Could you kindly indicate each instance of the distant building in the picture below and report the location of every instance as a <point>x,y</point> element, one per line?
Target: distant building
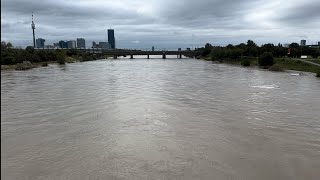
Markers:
<point>303,42</point>
<point>152,48</point>
<point>111,38</point>
<point>313,46</point>
<point>71,44</point>
<point>95,45</point>
<point>81,43</point>
<point>104,45</point>
<point>286,45</point>
<point>188,49</point>
<point>63,44</point>
<point>40,42</point>
<point>319,43</point>
<point>49,47</point>
<point>56,45</point>
<point>179,49</point>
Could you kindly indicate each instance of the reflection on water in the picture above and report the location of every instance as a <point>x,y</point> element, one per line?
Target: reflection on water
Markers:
<point>158,119</point>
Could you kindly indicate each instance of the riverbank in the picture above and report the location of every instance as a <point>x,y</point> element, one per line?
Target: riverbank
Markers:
<point>282,64</point>
<point>28,65</point>
<point>68,59</point>
<point>32,65</point>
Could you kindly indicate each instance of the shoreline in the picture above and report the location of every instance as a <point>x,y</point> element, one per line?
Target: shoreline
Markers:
<point>35,65</point>
<point>285,64</point>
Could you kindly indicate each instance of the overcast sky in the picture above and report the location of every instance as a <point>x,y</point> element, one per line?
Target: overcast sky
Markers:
<point>162,23</point>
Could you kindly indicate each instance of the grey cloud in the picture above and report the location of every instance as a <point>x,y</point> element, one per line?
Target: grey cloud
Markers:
<point>307,13</point>
<point>165,22</point>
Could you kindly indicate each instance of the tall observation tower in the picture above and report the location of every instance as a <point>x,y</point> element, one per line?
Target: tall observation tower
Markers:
<point>33,26</point>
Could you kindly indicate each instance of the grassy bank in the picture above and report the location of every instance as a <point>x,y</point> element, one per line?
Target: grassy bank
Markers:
<point>290,64</point>
<point>314,60</point>
<point>279,63</point>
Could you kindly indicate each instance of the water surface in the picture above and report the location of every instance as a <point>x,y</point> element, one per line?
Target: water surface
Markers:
<point>159,119</point>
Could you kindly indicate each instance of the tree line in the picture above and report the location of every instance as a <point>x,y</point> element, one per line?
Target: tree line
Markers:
<point>251,49</point>
<point>10,56</point>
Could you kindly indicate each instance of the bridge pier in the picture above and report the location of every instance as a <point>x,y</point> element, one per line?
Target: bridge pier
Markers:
<point>180,56</point>
<point>131,56</point>
<point>148,56</point>
<point>164,56</point>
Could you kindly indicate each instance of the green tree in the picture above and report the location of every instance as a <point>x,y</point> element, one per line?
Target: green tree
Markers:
<point>60,57</point>
<point>250,43</point>
<point>294,45</point>
<point>230,46</point>
<point>208,46</point>
<point>266,59</point>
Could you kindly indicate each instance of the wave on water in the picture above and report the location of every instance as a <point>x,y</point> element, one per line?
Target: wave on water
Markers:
<point>272,86</point>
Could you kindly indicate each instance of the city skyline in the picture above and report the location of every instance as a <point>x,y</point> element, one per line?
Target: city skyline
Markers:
<point>163,24</point>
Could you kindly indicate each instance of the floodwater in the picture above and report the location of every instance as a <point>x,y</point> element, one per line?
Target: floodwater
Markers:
<point>159,119</point>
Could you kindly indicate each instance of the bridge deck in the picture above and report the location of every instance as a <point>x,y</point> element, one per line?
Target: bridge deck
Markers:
<point>121,53</point>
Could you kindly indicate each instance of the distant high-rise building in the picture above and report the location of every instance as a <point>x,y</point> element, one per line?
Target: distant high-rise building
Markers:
<point>40,42</point>
<point>63,44</point>
<point>81,43</point>
<point>152,48</point>
<point>104,45</point>
<point>303,42</point>
<point>319,43</point>
<point>71,44</point>
<point>111,38</point>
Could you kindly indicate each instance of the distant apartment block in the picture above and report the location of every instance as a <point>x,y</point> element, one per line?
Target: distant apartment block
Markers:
<point>303,42</point>
<point>56,45</point>
<point>95,45</point>
<point>71,44</point>
<point>63,44</point>
<point>49,47</point>
<point>81,43</point>
<point>104,45</point>
<point>40,43</point>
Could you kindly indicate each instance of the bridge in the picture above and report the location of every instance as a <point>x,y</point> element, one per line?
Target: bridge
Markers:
<point>116,53</point>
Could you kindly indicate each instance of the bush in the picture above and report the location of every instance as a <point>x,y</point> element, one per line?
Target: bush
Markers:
<point>24,65</point>
<point>45,64</point>
<point>61,57</point>
<point>266,59</point>
<point>276,67</point>
<point>245,62</point>
<point>206,52</point>
<point>70,60</point>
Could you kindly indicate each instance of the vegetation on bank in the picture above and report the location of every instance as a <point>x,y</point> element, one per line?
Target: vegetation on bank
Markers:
<point>28,58</point>
<point>267,56</point>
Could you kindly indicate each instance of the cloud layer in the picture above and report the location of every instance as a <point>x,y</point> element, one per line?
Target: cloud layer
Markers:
<point>163,24</point>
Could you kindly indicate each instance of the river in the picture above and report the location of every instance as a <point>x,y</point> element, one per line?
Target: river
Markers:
<point>159,119</point>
